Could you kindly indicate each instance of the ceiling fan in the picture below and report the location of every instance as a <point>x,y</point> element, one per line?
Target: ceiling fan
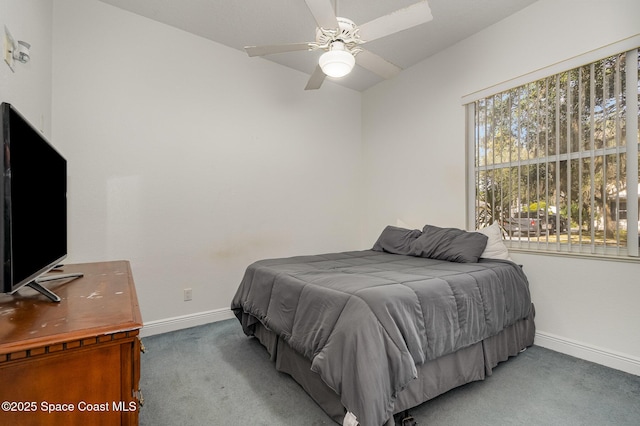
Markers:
<point>341,39</point>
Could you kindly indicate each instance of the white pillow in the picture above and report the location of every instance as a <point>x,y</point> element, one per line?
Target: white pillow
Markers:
<point>495,249</point>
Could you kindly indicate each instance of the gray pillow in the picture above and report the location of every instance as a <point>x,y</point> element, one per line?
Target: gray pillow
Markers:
<point>396,240</point>
<point>452,244</point>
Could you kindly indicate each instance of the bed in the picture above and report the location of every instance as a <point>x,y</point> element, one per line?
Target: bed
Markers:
<point>371,333</point>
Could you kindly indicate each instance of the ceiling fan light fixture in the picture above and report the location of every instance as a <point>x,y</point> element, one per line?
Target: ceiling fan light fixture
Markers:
<point>337,62</point>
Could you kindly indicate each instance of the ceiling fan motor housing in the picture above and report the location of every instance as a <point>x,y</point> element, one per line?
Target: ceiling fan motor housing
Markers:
<point>346,33</point>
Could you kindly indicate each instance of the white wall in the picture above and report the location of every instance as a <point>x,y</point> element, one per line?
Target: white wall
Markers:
<point>413,128</point>
<point>29,87</point>
<point>192,160</point>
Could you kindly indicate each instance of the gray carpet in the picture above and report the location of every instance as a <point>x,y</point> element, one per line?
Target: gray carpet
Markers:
<point>215,375</point>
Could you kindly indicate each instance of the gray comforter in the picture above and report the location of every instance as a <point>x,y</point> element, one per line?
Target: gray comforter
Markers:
<point>366,318</point>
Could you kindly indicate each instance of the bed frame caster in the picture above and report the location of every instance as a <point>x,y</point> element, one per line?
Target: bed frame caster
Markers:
<point>405,419</point>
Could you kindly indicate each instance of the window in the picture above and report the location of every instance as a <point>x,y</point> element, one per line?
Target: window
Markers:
<point>555,161</point>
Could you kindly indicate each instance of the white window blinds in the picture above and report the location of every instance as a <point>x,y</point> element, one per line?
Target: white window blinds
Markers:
<point>555,161</point>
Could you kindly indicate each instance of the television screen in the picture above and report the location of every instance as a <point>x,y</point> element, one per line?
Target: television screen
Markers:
<point>34,198</point>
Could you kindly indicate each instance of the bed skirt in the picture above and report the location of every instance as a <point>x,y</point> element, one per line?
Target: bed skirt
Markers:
<point>435,377</point>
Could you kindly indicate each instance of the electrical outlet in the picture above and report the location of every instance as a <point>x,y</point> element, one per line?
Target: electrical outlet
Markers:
<point>188,293</point>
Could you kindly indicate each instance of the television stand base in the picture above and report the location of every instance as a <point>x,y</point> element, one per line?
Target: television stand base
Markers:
<point>35,284</point>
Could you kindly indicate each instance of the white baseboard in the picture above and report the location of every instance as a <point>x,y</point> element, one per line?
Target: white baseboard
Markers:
<point>623,362</point>
<point>185,321</point>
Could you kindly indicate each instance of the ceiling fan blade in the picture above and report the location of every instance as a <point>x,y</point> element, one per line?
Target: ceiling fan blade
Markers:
<point>402,19</point>
<point>376,64</point>
<point>316,79</point>
<point>275,48</point>
<point>323,13</point>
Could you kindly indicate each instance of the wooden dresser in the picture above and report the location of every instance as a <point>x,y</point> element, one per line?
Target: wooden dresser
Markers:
<point>76,362</point>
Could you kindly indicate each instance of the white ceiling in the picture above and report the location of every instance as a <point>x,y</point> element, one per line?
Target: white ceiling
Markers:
<point>239,23</point>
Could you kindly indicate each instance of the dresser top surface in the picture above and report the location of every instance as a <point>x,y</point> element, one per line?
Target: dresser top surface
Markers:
<point>102,301</point>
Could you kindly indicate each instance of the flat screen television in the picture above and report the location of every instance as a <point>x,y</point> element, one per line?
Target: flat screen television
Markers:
<point>33,227</point>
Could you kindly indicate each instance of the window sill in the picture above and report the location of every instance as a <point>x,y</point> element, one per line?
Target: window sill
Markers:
<point>604,257</point>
